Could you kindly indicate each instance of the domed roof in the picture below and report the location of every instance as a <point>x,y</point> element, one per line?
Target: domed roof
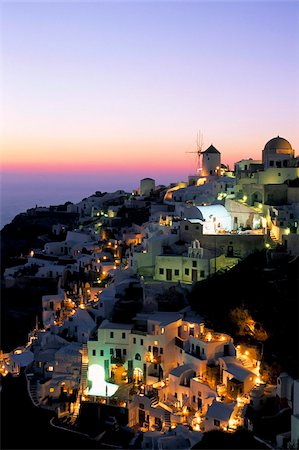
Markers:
<point>277,143</point>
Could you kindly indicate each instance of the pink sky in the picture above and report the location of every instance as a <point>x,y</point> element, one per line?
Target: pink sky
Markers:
<point>114,87</point>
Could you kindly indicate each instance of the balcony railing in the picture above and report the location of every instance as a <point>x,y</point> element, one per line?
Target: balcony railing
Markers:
<point>179,342</point>
<point>117,359</point>
<point>141,333</point>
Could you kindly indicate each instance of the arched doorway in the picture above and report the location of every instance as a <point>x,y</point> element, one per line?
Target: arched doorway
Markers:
<point>137,375</point>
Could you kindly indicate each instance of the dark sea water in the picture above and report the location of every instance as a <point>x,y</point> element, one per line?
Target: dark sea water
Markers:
<point>20,191</point>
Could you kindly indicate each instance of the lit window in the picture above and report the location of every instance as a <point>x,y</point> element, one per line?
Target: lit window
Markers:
<point>52,389</point>
<point>162,330</point>
<point>50,369</point>
<point>155,342</point>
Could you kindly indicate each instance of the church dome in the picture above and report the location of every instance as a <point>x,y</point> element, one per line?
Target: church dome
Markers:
<point>277,143</point>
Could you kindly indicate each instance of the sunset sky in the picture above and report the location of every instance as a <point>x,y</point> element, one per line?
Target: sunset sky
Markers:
<point>125,86</point>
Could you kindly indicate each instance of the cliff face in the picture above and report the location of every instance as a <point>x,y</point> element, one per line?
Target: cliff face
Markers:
<point>28,231</point>
<point>21,304</point>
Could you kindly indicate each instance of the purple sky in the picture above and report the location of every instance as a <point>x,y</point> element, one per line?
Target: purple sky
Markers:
<point>125,86</point>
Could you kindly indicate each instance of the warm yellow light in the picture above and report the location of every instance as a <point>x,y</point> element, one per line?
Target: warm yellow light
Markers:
<point>31,253</point>
<point>209,337</point>
<point>155,342</point>
<point>52,389</point>
<point>267,245</point>
<point>223,338</point>
<point>287,231</point>
<point>244,198</point>
<point>18,351</point>
<point>50,369</point>
<point>260,205</point>
<point>185,410</point>
<point>104,273</point>
<point>98,261</point>
<point>162,330</point>
<point>247,353</point>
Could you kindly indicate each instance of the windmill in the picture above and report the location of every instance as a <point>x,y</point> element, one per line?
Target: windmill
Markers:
<point>199,146</point>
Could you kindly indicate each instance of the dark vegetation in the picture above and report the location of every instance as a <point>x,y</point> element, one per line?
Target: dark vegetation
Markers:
<point>133,215</point>
<point>262,288</point>
<point>172,299</point>
<point>274,417</point>
<point>129,304</point>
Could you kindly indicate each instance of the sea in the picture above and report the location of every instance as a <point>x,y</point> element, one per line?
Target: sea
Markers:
<point>21,191</point>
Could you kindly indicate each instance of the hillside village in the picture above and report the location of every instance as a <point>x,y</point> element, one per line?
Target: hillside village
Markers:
<point>132,340</point>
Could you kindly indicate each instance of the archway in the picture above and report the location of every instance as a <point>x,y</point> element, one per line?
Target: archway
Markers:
<point>137,375</point>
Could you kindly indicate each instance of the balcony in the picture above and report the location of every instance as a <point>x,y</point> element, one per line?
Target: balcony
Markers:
<point>140,332</point>
<point>153,359</point>
<point>181,343</point>
<point>117,359</point>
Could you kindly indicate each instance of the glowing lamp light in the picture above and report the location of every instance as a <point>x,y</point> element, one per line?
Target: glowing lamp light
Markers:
<point>100,387</point>
<point>209,337</point>
<point>244,198</point>
<point>267,245</point>
<point>18,352</point>
<point>247,353</point>
<point>287,231</point>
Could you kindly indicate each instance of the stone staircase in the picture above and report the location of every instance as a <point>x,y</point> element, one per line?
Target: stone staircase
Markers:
<point>167,421</point>
<point>83,382</point>
<point>154,401</point>
<point>84,368</point>
<point>33,391</point>
<point>273,237</point>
